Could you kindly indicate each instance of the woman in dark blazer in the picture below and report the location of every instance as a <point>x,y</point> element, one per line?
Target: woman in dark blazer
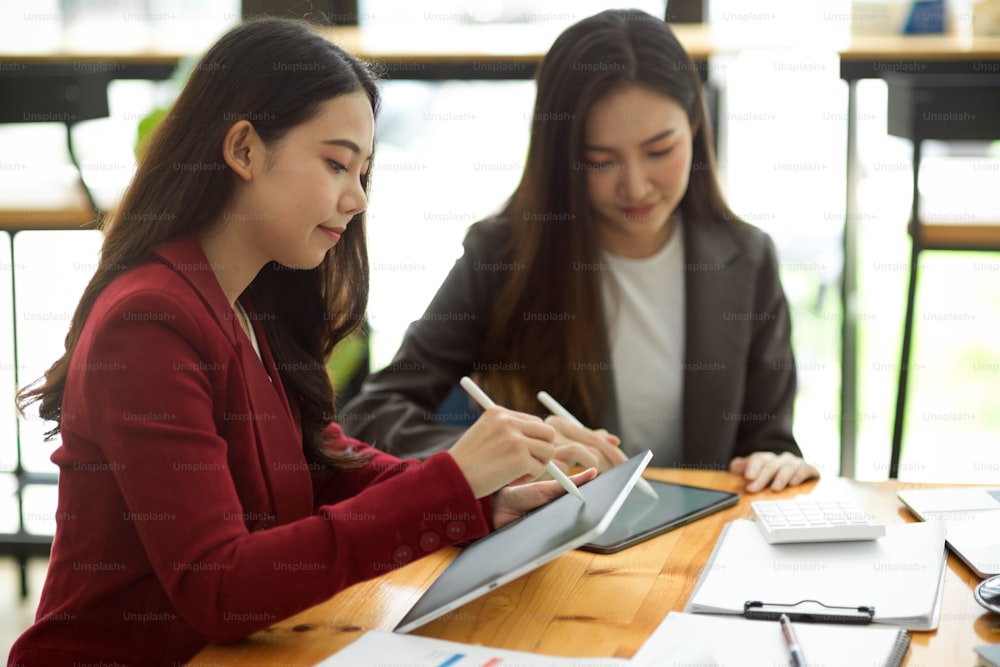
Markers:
<point>204,492</point>
<point>616,278</point>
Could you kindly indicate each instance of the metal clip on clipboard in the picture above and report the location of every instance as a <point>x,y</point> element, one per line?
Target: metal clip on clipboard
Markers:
<point>809,611</point>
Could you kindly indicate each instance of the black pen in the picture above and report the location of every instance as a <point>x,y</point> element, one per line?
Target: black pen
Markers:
<point>794,648</point>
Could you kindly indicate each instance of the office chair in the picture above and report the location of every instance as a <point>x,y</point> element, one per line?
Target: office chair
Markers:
<point>949,108</point>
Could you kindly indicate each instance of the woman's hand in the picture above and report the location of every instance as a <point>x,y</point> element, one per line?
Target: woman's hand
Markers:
<point>513,502</point>
<point>503,447</point>
<point>778,470</point>
<point>578,446</point>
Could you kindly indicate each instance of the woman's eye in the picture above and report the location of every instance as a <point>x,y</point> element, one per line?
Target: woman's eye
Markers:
<point>600,166</point>
<point>662,153</point>
<point>336,166</point>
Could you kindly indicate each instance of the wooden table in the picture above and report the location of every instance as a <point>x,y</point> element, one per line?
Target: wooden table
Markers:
<point>585,604</point>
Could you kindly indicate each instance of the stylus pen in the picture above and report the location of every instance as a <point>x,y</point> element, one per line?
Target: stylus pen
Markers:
<point>794,648</point>
<point>545,398</point>
<point>554,472</point>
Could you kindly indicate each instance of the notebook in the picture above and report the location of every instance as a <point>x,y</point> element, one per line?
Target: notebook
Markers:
<point>531,541</point>
<point>760,643</point>
<point>972,518</point>
<point>900,575</point>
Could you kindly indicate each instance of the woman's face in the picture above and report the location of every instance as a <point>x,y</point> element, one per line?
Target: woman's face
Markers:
<point>310,186</point>
<point>637,146</point>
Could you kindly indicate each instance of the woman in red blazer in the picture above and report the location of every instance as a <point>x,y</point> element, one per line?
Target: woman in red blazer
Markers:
<point>204,492</point>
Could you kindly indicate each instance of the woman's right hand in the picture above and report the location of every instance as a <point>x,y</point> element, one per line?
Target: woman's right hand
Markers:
<point>580,447</point>
<point>503,447</point>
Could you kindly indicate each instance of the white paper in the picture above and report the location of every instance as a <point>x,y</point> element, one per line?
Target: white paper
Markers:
<point>379,649</point>
<point>899,574</point>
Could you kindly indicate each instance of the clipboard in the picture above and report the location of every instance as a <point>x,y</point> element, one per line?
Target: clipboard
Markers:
<point>808,611</point>
<point>897,580</point>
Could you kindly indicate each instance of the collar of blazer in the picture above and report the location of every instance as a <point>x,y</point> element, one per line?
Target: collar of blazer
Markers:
<point>185,256</point>
<point>283,467</point>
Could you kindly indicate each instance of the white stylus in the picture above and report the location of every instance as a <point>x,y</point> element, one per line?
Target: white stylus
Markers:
<point>486,403</point>
<point>545,398</point>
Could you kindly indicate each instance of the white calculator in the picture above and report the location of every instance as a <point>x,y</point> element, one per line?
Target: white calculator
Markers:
<point>807,519</point>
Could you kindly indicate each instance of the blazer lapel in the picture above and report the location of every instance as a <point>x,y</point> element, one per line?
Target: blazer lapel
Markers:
<point>278,434</point>
<point>718,286</point>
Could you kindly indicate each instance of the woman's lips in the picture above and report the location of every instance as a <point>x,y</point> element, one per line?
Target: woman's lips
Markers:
<point>638,211</point>
<point>333,232</point>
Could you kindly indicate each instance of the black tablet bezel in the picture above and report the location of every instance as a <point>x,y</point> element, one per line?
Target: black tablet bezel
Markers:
<point>728,499</point>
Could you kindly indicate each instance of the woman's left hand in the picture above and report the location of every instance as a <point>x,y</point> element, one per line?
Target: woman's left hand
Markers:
<point>513,502</point>
<point>778,470</point>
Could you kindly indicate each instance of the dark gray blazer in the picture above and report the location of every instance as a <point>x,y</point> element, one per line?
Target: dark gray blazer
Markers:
<point>739,376</point>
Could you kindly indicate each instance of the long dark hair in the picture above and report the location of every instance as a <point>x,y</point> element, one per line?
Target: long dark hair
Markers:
<point>275,73</point>
<point>552,233</point>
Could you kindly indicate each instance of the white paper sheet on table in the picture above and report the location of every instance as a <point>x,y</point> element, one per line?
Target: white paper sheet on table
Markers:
<point>378,649</point>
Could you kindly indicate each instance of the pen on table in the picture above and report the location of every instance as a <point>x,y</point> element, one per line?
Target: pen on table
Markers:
<point>794,648</point>
<point>486,402</point>
<point>545,398</point>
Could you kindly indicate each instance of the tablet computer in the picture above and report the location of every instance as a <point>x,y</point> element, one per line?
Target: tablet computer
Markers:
<point>524,545</point>
<point>641,517</point>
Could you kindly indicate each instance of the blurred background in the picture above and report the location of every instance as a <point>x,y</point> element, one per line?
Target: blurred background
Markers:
<point>450,153</point>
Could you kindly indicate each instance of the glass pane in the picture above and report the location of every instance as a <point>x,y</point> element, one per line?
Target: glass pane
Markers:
<point>8,379</point>
<point>448,154</point>
<point>53,269</point>
<point>8,504</point>
<point>783,138</point>
<point>40,509</point>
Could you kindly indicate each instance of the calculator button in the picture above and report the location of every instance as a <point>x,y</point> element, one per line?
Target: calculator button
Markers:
<point>806,520</point>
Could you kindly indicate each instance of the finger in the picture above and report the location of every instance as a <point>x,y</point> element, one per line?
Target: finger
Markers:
<point>738,465</point>
<point>526,479</point>
<point>575,455</point>
<point>552,489</point>
<point>565,465</point>
<point>610,448</point>
<point>525,416</point>
<point>537,430</point>
<point>756,462</point>
<point>783,475</point>
<point>803,473</point>
<point>598,440</point>
<point>610,437</point>
<point>539,451</point>
<point>582,478</point>
<point>764,474</point>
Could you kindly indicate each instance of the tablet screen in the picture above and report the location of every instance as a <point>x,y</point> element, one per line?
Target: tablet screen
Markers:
<point>643,517</point>
<point>531,541</point>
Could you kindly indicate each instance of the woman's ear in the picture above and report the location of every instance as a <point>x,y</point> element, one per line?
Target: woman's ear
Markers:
<point>242,149</point>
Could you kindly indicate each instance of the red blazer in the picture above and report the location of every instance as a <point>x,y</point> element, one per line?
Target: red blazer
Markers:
<point>187,512</point>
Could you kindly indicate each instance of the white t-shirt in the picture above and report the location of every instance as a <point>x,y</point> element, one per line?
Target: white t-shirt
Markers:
<point>253,334</point>
<point>644,313</point>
